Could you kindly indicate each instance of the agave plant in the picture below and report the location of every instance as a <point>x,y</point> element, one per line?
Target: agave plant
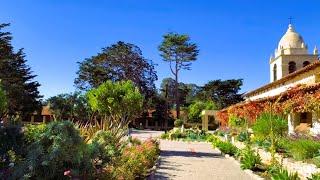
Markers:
<point>88,130</point>
<point>283,174</point>
<point>249,159</point>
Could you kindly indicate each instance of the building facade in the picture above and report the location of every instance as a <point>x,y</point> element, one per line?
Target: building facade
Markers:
<point>292,65</point>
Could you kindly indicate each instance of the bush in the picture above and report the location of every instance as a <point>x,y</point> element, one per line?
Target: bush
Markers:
<point>315,177</point>
<point>243,136</point>
<point>104,149</point>
<point>12,148</point>
<point>178,123</point>
<point>137,160</point>
<point>59,149</point>
<point>283,174</point>
<point>226,147</point>
<point>212,139</point>
<point>195,109</point>
<point>249,159</point>
<point>269,122</point>
<point>236,122</point>
<point>164,136</point>
<point>302,149</point>
<point>33,132</point>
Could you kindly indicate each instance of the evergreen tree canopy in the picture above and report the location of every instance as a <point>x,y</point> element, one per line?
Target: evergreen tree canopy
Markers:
<point>17,78</point>
<point>222,93</point>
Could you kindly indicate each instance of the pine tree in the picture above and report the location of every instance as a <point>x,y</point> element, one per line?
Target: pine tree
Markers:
<point>17,78</point>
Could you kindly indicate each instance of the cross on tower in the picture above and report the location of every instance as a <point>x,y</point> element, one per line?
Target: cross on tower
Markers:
<point>290,19</point>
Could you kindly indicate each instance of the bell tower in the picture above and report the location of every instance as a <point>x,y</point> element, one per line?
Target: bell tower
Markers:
<point>291,55</point>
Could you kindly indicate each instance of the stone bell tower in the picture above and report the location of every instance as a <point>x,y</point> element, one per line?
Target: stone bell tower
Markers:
<point>291,55</point>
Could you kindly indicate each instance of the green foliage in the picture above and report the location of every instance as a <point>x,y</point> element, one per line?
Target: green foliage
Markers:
<point>195,109</point>
<point>3,102</point>
<point>33,133</point>
<point>73,106</point>
<point>283,174</point>
<point>269,122</point>
<point>243,136</point>
<point>104,148</point>
<point>17,79</point>
<point>180,52</point>
<point>316,161</point>
<point>302,149</point>
<point>58,149</point>
<point>178,123</point>
<point>236,122</point>
<point>226,147</point>
<point>119,62</point>
<point>186,92</point>
<point>117,103</point>
<point>249,159</point>
<point>12,146</point>
<point>314,177</point>
<point>222,93</point>
<point>137,160</point>
<point>212,138</point>
<point>187,134</point>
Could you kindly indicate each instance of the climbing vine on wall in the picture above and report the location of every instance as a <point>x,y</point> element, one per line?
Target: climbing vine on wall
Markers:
<point>300,98</point>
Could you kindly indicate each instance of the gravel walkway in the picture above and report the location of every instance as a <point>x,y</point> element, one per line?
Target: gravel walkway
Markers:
<point>196,161</point>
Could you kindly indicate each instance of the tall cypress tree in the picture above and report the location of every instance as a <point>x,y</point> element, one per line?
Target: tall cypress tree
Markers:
<point>17,78</point>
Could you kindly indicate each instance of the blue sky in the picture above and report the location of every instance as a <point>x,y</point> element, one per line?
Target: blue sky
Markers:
<point>235,38</point>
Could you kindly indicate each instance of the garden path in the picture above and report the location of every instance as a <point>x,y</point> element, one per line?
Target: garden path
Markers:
<point>192,161</point>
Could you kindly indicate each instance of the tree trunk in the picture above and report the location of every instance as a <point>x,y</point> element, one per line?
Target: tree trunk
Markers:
<point>177,92</point>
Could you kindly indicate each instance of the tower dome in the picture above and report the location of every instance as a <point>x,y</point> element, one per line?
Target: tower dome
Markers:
<point>292,43</point>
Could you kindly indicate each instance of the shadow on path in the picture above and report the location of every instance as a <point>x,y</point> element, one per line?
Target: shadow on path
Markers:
<point>177,166</point>
<point>166,153</point>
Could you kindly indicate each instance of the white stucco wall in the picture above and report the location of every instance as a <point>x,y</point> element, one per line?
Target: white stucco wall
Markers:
<point>277,90</point>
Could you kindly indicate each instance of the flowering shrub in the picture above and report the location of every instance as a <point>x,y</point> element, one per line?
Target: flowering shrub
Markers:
<point>137,160</point>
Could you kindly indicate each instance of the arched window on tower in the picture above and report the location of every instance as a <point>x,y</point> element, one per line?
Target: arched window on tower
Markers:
<point>306,63</point>
<point>274,72</point>
<point>292,67</point>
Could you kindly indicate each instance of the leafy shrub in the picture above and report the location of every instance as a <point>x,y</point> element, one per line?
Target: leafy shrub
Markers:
<point>314,177</point>
<point>135,141</point>
<point>212,138</point>
<point>195,109</point>
<point>236,122</point>
<point>243,136</point>
<point>12,147</point>
<point>60,148</point>
<point>137,160</point>
<point>249,159</point>
<point>104,149</point>
<point>302,149</point>
<point>33,132</point>
<point>269,122</point>
<point>316,161</point>
<point>283,174</point>
<point>164,136</point>
<point>116,103</point>
<point>178,123</point>
<point>222,132</point>
<point>226,147</point>
<point>177,135</point>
